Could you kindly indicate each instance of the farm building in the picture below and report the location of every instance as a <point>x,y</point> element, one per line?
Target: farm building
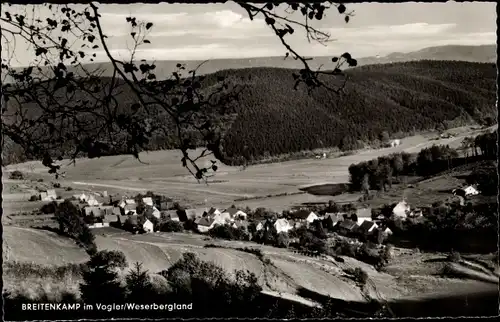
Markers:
<point>471,191</point>
<point>170,215</point>
<point>347,227</point>
<point>367,227</point>
<point>148,201</point>
<point>106,210</point>
<point>204,224</point>
<point>282,225</point>
<point>402,209</point>
<point>126,202</point>
<point>152,211</point>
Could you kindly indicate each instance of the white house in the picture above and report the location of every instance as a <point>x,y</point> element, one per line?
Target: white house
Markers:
<point>282,225</point>
<point>83,197</point>
<point>148,201</point>
<point>402,209</point>
<point>235,213</point>
<point>213,212</point>
<point>130,201</point>
<point>204,224</point>
<point>395,143</point>
<point>147,226</point>
<point>92,201</point>
<point>387,231</point>
<point>471,191</point>
<point>312,217</point>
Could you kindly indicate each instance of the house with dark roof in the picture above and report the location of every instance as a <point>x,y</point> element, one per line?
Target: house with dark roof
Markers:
<point>347,227</point>
<point>204,224</point>
<point>367,227</point>
<point>152,211</point>
<point>332,219</point>
<point>193,214</point>
<point>95,211</point>
<point>166,205</point>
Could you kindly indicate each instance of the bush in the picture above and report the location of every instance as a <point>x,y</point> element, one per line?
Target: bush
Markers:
<point>360,276</point>
<point>34,198</point>
<point>49,208</point>
<point>171,226</point>
<point>16,175</point>
<point>69,189</point>
<point>56,185</point>
<point>282,240</point>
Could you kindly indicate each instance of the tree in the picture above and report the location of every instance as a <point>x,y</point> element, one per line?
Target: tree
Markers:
<point>282,240</point>
<point>100,278</point>
<point>181,105</point>
<point>139,286</point>
<point>171,226</point>
<point>365,185</point>
<point>384,137</point>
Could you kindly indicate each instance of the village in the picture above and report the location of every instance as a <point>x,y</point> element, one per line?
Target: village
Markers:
<point>149,213</point>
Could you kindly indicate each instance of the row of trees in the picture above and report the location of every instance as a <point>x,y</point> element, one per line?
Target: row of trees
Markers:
<point>483,144</point>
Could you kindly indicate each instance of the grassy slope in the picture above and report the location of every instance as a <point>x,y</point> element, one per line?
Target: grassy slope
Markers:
<point>399,97</point>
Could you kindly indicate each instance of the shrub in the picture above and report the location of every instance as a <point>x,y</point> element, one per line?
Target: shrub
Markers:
<point>56,185</point>
<point>69,188</point>
<point>360,276</point>
<point>16,175</point>
<point>34,198</point>
<point>282,240</point>
<point>171,226</point>
<point>49,208</point>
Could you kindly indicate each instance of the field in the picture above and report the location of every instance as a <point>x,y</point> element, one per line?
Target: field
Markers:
<point>274,186</point>
<point>286,272</point>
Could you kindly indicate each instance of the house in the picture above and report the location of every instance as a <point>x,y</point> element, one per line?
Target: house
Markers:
<point>106,210</point>
<point>121,219</point>
<point>194,213</point>
<point>43,196</point>
<point>402,209</point>
<point>395,143</point>
<point>235,213</point>
<point>459,192</point>
<point>148,201</point>
<point>170,215</point>
<point>263,225</point>
<point>96,225</point>
<point>108,219</point>
<point>367,227</point>
<point>153,211</point>
<point>130,208</point>
<point>147,226</point>
<point>204,224</point>
<point>347,227</point>
<point>130,201</point>
<point>92,201</point>
<point>386,231</point>
<point>213,212</point>
<point>282,225</point>
<point>332,219</point>
<point>471,191</point>
<point>116,211</point>
<point>83,197</point>
<point>304,216</point>
<point>95,211</point>
<point>363,214</point>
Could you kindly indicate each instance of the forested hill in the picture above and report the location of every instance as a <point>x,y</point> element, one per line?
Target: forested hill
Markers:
<point>399,97</point>
<point>273,118</point>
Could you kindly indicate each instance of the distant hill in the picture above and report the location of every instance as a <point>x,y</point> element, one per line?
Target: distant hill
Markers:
<point>273,118</point>
<point>481,54</point>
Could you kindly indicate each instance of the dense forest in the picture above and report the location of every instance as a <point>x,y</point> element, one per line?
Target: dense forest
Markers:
<point>273,118</point>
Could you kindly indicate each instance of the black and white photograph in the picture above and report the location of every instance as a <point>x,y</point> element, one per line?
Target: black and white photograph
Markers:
<point>264,160</point>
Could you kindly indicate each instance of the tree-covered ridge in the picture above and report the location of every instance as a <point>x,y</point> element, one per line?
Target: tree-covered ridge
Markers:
<point>272,118</point>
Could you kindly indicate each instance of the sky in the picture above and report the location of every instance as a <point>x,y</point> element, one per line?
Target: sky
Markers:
<point>211,31</point>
